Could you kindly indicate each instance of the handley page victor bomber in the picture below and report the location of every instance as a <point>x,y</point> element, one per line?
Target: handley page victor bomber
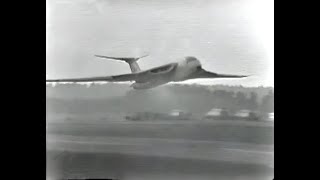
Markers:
<point>188,68</point>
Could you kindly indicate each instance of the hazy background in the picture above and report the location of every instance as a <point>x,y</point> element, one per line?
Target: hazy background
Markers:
<point>227,36</point>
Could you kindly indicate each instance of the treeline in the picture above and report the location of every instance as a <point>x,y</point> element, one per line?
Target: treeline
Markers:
<point>192,98</point>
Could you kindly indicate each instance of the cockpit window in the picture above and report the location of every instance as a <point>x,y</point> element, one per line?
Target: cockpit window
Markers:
<point>190,59</point>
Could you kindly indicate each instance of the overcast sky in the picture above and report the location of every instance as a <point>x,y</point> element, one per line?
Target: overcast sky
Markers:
<point>227,36</point>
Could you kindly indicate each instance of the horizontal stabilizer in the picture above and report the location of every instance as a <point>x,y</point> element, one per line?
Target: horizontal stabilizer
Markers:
<point>126,59</point>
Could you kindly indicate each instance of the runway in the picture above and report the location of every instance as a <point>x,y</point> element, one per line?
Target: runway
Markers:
<point>162,150</point>
<point>201,150</point>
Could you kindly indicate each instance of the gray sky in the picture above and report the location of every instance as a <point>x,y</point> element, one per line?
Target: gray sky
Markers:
<point>227,36</point>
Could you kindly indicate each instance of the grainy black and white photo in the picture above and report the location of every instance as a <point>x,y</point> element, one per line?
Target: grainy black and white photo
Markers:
<point>160,89</point>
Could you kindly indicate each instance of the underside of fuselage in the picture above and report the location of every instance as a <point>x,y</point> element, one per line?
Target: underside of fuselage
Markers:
<point>148,85</point>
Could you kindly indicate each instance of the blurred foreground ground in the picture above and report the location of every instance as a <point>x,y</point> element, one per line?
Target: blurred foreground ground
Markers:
<point>115,148</point>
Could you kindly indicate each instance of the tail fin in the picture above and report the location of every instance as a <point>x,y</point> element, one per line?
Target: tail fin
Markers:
<point>134,66</point>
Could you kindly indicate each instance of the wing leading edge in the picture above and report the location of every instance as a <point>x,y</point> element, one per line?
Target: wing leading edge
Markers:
<point>140,76</point>
<point>117,78</point>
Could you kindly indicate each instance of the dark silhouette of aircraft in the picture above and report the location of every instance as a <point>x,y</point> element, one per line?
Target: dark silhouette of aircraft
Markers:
<point>188,68</point>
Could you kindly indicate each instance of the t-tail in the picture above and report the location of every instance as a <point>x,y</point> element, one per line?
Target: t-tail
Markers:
<point>132,61</point>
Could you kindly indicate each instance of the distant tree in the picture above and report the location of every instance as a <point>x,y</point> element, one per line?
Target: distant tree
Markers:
<point>253,102</point>
<point>241,100</point>
<point>267,104</point>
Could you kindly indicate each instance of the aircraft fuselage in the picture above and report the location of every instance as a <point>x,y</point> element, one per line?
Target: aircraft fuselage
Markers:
<point>184,70</point>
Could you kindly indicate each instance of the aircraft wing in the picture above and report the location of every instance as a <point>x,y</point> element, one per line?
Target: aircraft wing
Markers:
<point>118,78</point>
<point>139,76</point>
<point>207,74</point>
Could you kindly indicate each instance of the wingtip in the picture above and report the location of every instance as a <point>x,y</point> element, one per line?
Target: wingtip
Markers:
<point>232,76</point>
<point>248,75</point>
<point>52,80</point>
<point>242,76</point>
<point>97,56</point>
